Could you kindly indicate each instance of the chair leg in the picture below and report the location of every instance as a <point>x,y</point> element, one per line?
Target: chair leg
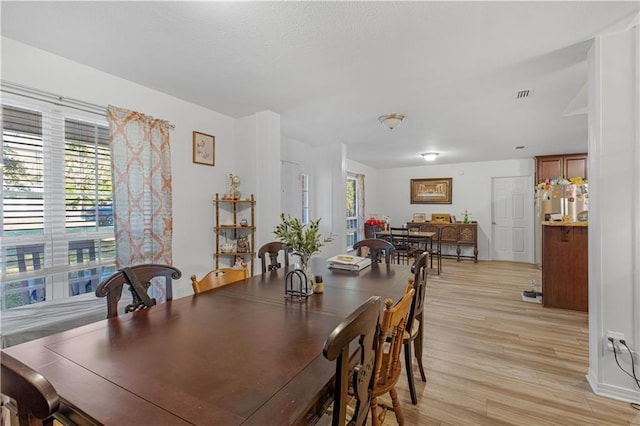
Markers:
<point>409,367</point>
<point>397,408</point>
<point>417,347</point>
<point>375,421</point>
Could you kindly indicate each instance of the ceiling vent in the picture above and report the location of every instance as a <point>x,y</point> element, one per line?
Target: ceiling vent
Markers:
<point>521,94</point>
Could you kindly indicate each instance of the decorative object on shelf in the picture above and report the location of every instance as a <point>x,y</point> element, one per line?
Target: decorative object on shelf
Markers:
<point>234,182</point>
<point>226,247</point>
<point>244,222</point>
<point>303,239</point>
<point>239,264</point>
<point>431,191</point>
<point>466,217</point>
<point>204,149</point>
<point>391,120</point>
<point>419,217</point>
<point>242,244</point>
<point>296,285</point>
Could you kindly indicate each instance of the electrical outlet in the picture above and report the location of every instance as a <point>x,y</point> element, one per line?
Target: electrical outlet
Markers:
<point>616,341</point>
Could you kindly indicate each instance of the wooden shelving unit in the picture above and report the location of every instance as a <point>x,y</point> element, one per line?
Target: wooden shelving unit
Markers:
<point>230,228</point>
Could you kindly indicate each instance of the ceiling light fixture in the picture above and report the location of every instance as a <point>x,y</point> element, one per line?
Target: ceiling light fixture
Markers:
<point>430,156</point>
<point>391,120</point>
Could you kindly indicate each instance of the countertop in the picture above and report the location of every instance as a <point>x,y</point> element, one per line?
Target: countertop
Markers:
<point>560,223</point>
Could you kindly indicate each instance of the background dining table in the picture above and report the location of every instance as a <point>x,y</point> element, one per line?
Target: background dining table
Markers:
<point>239,354</point>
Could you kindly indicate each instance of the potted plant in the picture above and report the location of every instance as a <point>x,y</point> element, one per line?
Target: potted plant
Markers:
<point>304,240</point>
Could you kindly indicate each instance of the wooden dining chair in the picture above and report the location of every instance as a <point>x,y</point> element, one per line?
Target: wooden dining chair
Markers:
<point>138,278</point>
<point>399,238</point>
<point>414,331</point>
<point>31,395</point>
<point>388,366</point>
<point>376,246</point>
<point>360,327</point>
<point>218,278</point>
<point>273,250</point>
<point>435,248</point>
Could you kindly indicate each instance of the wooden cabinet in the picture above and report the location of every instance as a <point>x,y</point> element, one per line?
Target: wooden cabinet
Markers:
<point>568,166</point>
<point>465,234</point>
<point>565,274</point>
<point>235,230</point>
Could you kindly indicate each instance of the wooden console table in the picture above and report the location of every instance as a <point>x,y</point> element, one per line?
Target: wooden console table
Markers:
<point>463,234</point>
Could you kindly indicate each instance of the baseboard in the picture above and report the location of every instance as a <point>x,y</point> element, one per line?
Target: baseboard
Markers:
<point>613,392</point>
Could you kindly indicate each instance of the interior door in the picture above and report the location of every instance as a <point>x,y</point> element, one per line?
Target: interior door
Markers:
<point>512,219</point>
<point>291,200</point>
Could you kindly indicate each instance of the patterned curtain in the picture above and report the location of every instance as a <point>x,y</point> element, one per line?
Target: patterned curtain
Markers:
<point>360,191</point>
<point>141,165</point>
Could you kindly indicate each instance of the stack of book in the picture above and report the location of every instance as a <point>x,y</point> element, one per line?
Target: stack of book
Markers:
<point>349,262</point>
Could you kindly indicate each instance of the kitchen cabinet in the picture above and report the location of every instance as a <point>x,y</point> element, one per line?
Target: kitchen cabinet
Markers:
<point>565,274</point>
<point>567,166</point>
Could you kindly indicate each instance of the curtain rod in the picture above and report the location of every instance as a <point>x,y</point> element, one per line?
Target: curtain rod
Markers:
<point>41,95</point>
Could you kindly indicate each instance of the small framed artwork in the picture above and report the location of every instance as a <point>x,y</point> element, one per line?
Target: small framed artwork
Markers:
<point>431,191</point>
<point>204,149</point>
<point>419,217</point>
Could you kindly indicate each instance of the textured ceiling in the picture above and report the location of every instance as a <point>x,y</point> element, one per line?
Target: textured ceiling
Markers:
<point>331,68</point>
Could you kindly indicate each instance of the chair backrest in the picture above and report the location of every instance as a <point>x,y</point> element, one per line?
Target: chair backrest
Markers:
<point>419,282</point>
<point>34,395</point>
<point>139,279</point>
<point>218,278</point>
<point>375,246</point>
<point>392,326</point>
<point>273,249</point>
<point>399,237</point>
<point>361,326</point>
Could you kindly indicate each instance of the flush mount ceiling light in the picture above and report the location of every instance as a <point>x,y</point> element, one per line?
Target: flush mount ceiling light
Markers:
<point>430,156</point>
<point>391,120</point>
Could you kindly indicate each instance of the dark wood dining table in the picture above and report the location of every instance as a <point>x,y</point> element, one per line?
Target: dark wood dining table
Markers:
<point>239,354</point>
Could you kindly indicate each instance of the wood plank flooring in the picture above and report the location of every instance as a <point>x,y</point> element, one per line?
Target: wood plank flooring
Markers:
<point>492,359</point>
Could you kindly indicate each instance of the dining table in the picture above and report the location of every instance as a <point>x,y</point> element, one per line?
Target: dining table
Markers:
<point>241,354</point>
<point>423,239</point>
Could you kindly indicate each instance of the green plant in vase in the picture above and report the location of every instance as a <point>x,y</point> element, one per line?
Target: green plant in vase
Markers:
<point>304,240</point>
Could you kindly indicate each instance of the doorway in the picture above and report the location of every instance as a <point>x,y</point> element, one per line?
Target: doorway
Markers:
<point>512,219</point>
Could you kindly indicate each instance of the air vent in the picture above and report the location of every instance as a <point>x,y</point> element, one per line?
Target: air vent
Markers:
<point>519,147</point>
<point>521,94</point>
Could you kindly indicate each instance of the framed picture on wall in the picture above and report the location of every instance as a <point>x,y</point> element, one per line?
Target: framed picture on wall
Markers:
<point>431,191</point>
<point>419,217</point>
<point>204,149</point>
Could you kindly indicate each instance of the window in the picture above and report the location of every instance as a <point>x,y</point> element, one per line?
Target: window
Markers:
<point>57,217</point>
<point>352,211</point>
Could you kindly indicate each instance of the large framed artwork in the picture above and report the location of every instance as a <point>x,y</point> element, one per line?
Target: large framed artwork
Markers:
<point>431,191</point>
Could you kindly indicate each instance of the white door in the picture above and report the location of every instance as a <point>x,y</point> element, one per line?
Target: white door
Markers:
<point>291,194</point>
<point>512,219</point>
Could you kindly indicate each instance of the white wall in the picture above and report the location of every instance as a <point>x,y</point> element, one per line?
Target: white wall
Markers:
<point>471,191</point>
<point>614,235</point>
<point>194,185</point>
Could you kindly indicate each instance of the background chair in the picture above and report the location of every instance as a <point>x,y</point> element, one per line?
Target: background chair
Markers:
<point>388,367</point>
<point>399,238</point>
<point>415,323</point>
<point>139,279</point>
<point>435,248</point>
<point>375,246</point>
<point>35,397</point>
<point>218,278</point>
<point>360,326</point>
<point>273,249</point>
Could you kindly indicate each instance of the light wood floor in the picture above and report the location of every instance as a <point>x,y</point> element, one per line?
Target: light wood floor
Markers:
<point>492,359</point>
